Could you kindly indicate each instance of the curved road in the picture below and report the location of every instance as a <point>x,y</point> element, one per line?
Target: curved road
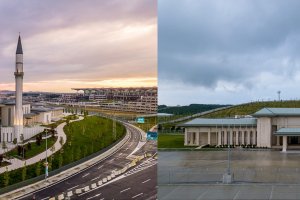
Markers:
<point>145,171</point>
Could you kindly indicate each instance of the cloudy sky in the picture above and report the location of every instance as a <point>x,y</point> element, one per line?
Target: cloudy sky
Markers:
<point>216,51</point>
<point>95,43</point>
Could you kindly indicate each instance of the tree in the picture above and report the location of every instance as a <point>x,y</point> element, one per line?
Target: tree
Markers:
<point>60,159</point>
<point>84,151</point>
<point>52,149</point>
<point>50,163</point>
<point>1,159</point>
<point>4,146</point>
<point>19,150</point>
<point>39,139</point>
<point>38,168</point>
<point>78,153</point>
<point>72,155</point>
<point>29,146</point>
<point>24,172</point>
<point>61,141</point>
<point>6,177</point>
<point>15,141</point>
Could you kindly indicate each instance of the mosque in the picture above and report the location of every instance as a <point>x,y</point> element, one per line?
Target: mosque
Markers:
<point>19,119</point>
<point>268,127</point>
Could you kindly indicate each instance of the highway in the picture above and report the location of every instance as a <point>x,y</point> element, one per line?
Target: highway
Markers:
<point>145,170</point>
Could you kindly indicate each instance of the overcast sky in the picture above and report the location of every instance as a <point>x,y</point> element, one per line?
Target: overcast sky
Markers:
<point>228,52</point>
<point>95,43</point>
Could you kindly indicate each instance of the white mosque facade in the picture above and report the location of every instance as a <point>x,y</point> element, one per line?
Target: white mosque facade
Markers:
<point>268,127</point>
<point>19,118</point>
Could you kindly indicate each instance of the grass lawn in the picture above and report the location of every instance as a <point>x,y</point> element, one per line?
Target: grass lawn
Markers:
<point>171,141</point>
<point>149,123</point>
<point>35,149</point>
<point>83,138</point>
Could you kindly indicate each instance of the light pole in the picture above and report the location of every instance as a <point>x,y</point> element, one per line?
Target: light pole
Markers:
<point>46,163</point>
<point>228,152</point>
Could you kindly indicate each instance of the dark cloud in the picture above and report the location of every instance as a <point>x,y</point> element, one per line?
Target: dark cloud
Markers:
<point>203,42</point>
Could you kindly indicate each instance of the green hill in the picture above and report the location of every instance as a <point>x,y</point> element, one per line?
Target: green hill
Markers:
<point>250,108</point>
<point>188,110</point>
<point>242,109</point>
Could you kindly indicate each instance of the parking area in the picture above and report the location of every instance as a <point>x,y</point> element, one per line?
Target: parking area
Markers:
<point>257,175</point>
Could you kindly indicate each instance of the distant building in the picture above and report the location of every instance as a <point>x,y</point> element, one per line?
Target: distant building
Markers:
<point>269,127</point>
<point>140,100</point>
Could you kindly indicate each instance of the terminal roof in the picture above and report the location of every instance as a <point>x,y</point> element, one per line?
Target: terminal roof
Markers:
<point>221,122</point>
<point>288,132</point>
<point>272,112</point>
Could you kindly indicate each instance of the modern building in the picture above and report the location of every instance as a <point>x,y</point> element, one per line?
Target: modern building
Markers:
<point>268,127</point>
<point>139,99</point>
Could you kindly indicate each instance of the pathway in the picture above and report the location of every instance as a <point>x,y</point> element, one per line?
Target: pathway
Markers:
<point>16,163</point>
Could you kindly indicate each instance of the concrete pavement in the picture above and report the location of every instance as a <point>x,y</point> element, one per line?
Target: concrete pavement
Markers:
<point>229,192</point>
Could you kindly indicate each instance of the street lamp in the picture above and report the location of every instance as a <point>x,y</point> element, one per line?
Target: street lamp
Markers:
<point>46,163</point>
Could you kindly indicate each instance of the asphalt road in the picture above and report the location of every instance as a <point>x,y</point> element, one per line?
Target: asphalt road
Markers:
<point>104,168</point>
<point>135,186</point>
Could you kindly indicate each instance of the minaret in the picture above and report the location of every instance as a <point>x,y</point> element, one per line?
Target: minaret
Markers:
<point>18,118</point>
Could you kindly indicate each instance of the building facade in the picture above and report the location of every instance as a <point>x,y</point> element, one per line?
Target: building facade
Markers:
<point>268,127</point>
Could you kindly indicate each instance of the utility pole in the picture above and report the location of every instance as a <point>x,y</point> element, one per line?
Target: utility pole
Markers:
<point>46,163</point>
<point>114,127</point>
<point>278,92</point>
<point>228,176</point>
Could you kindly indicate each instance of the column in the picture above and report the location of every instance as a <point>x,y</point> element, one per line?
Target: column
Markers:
<point>225,136</point>
<point>208,137</point>
<point>236,138</point>
<point>243,137</point>
<point>185,137</point>
<point>197,142</point>
<point>284,143</point>
<point>278,140</point>
<point>219,138</point>
<point>231,137</point>
<point>254,137</point>
<point>248,137</point>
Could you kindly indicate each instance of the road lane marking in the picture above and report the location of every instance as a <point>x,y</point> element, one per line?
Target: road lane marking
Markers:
<point>85,175</point>
<point>45,198</point>
<point>73,187</point>
<point>100,167</point>
<point>95,178</point>
<point>94,196</point>
<point>125,190</point>
<point>137,195</point>
<point>146,181</point>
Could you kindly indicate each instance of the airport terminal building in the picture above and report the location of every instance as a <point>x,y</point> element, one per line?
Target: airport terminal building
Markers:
<point>268,127</point>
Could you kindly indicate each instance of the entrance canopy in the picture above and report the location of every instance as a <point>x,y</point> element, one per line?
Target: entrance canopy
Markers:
<point>288,132</point>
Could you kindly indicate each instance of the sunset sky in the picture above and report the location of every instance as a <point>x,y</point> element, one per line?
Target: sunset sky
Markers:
<point>95,43</point>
